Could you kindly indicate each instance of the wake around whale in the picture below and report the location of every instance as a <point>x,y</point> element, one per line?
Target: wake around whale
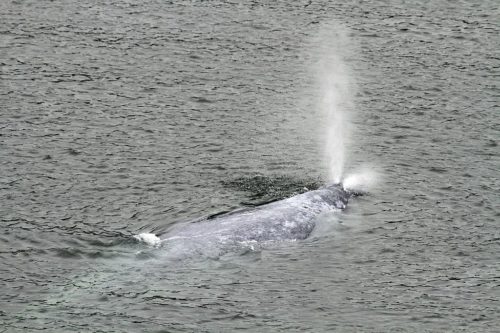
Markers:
<point>293,218</point>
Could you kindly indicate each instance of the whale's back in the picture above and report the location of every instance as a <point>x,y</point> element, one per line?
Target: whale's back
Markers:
<point>289,219</point>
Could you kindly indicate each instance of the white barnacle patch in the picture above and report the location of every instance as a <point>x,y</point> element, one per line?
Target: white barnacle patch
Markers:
<point>250,244</point>
<point>339,204</point>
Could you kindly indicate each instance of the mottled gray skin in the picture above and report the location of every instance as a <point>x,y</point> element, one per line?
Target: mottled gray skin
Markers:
<point>289,219</point>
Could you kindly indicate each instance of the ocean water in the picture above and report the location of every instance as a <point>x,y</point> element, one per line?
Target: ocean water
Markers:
<point>123,117</point>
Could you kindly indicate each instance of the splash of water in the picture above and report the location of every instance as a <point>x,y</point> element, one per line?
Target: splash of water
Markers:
<point>336,90</point>
<point>148,238</point>
<point>362,180</point>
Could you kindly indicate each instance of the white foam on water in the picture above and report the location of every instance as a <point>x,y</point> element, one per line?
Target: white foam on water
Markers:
<point>148,238</point>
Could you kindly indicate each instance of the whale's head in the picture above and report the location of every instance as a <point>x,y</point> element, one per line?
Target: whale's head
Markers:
<point>336,196</point>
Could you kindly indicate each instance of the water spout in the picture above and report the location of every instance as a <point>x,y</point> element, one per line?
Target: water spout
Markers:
<point>335,86</point>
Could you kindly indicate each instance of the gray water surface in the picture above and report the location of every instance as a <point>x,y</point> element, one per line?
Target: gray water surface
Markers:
<point>121,117</point>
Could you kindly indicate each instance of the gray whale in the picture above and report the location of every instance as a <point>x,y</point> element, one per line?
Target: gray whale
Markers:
<point>288,219</point>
